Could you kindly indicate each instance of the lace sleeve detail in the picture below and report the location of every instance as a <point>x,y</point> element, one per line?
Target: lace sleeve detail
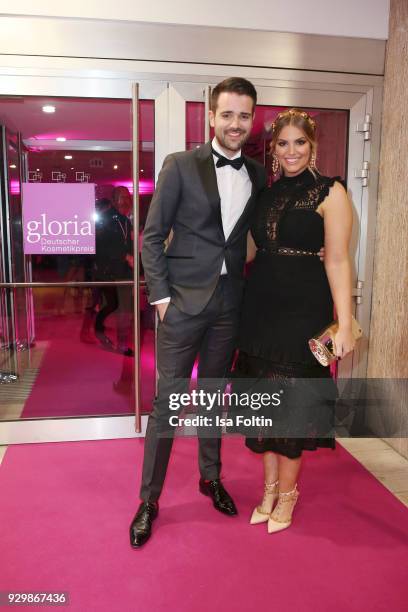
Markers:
<point>317,193</point>
<point>327,184</point>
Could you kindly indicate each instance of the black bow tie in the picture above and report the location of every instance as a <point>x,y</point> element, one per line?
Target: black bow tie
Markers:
<point>236,163</point>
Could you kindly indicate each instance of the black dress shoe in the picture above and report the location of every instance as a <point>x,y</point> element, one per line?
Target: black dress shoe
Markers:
<point>141,526</point>
<point>221,499</point>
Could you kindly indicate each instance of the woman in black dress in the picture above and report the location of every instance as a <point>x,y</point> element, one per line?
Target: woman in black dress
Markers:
<point>289,297</point>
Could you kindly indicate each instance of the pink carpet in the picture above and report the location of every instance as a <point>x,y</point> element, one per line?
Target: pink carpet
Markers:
<point>64,521</point>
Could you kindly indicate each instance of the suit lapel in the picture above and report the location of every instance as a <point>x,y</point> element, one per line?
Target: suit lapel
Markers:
<point>208,177</point>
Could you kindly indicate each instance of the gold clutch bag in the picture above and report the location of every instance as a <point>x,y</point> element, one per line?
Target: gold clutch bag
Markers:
<point>322,344</point>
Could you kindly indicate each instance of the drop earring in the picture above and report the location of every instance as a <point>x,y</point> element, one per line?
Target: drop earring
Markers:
<point>275,164</point>
<point>312,162</point>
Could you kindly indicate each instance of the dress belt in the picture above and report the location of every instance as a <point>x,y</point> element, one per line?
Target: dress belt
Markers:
<point>287,251</point>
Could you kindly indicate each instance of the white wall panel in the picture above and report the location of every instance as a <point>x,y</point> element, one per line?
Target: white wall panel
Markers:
<point>358,18</point>
<point>85,38</point>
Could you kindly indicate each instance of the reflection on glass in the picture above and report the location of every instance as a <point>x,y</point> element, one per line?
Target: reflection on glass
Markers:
<point>195,124</point>
<point>96,149</point>
<point>77,338</point>
<point>17,309</point>
<point>67,371</point>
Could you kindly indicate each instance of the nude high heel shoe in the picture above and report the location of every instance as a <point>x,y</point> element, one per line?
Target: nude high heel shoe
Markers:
<point>261,513</point>
<point>281,517</point>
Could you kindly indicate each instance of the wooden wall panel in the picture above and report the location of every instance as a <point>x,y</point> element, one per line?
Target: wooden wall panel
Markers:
<point>388,350</point>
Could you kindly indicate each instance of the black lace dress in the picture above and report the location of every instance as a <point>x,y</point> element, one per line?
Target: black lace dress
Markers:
<point>287,300</point>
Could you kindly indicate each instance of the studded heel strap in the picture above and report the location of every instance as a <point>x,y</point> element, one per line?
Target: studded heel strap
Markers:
<point>270,488</point>
<point>285,498</point>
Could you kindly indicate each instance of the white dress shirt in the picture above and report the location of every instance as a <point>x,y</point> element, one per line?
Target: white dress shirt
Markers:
<point>234,187</point>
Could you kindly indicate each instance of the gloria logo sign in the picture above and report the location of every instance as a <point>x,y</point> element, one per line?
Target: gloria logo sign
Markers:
<point>58,218</point>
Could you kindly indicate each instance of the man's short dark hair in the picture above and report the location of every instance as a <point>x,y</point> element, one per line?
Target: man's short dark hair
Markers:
<point>237,85</point>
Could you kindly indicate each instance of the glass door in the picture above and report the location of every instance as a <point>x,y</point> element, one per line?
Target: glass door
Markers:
<point>72,228</point>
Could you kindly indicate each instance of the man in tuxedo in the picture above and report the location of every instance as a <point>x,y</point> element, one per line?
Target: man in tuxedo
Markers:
<point>206,197</point>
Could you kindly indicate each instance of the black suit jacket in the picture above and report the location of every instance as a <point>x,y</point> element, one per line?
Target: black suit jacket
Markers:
<point>186,200</point>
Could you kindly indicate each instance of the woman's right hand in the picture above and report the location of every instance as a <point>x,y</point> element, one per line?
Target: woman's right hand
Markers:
<point>344,343</point>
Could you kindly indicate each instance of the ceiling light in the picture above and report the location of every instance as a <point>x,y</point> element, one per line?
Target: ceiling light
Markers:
<point>67,156</point>
<point>13,166</point>
<point>48,108</point>
<point>37,170</point>
<point>141,170</point>
<point>71,168</point>
<point>61,139</point>
<point>115,167</point>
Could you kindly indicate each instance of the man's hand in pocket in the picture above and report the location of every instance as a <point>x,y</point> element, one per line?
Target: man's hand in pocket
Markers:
<point>161,309</point>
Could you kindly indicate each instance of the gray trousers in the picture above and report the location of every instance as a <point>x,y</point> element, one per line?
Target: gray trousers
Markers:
<point>210,335</point>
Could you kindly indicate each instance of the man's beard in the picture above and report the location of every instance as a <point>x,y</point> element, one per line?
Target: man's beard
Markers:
<point>236,146</point>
